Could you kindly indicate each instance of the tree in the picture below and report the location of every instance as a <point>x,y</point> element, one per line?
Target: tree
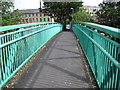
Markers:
<point>61,11</point>
<point>82,16</point>
<point>109,14</point>
<point>9,16</point>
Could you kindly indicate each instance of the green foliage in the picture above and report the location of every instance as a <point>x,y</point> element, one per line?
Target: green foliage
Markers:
<point>8,15</point>
<point>109,14</point>
<point>82,16</point>
<point>61,11</point>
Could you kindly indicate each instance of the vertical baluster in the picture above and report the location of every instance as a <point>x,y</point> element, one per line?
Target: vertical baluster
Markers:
<point>115,71</point>
<point>16,51</point>
<point>1,62</point>
<point>4,60</point>
<point>9,52</point>
<point>6,55</point>
<point>106,66</point>
<point>12,50</point>
<point>113,67</point>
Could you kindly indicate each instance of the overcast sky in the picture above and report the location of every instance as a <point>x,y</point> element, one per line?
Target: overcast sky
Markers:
<point>34,4</point>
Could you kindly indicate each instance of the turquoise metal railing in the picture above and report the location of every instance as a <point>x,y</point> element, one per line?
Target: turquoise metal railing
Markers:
<point>17,47</point>
<point>102,53</point>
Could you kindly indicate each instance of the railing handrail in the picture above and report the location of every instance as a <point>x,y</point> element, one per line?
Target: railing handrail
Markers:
<point>116,63</point>
<point>102,53</point>
<point>106,29</point>
<point>13,41</point>
<point>115,43</point>
<point>22,30</point>
<point>11,27</point>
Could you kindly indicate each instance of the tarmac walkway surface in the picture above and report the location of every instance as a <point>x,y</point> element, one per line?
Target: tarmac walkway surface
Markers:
<point>58,65</point>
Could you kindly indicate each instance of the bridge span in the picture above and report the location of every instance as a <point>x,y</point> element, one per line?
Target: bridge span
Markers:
<point>51,58</point>
<point>59,65</point>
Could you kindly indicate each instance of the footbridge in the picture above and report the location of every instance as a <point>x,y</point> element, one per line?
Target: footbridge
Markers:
<point>42,55</point>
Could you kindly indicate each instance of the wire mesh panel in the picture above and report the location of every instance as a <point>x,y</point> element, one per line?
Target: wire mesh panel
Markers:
<point>17,47</point>
<point>103,55</point>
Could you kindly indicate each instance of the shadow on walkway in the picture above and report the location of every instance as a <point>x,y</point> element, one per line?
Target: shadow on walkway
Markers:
<point>59,65</point>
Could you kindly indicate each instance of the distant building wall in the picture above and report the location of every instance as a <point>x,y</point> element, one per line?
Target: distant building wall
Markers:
<point>8,0</point>
<point>33,16</point>
<point>91,9</point>
<point>111,0</point>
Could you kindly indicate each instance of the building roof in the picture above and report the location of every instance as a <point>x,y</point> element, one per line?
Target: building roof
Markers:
<point>111,0</point>
<point>91,6</point>
<point>30,10</point>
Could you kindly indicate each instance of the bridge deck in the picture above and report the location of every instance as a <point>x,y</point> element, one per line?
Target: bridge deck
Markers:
<point>59,65</point>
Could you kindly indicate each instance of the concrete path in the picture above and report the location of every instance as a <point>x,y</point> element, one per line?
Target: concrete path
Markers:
<point>59,65</point>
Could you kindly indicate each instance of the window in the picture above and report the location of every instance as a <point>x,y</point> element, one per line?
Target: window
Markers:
<point>43,14</point>
<point>36,19</point>
<point>25,15</point>
<point>48,19</point>
<point>40,19</point>
<point>29,15</point>
<point>30,20</point>
<point>36,14</point>
<point>44,19</point>
<point>26,20</point>
<point>33,14</point>
<point>40,14</point>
